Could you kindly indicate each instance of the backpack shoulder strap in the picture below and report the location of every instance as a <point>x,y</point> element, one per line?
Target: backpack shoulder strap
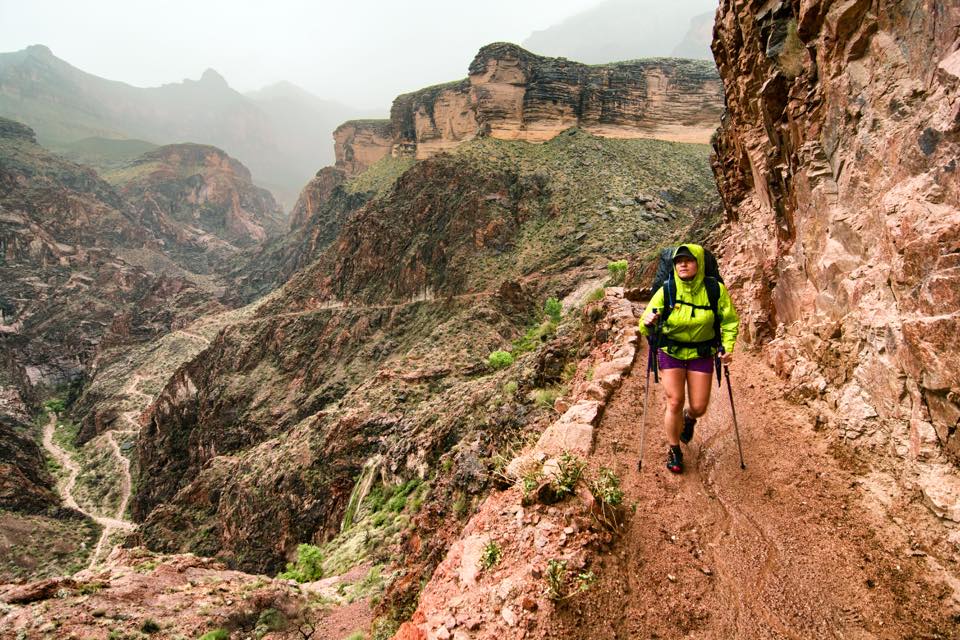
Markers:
<point>713,295</point>
<point>669,299</point>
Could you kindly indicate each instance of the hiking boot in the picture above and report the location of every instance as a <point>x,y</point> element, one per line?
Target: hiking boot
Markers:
<point>688,423</point>
<point>675,459</point>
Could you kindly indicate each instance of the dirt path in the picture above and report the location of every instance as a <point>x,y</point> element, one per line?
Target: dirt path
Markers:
<point>783,549</point>
<point>64,459</point>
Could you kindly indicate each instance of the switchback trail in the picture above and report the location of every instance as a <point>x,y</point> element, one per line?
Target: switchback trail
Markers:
<point>783,549</point>
<point>64,459</point>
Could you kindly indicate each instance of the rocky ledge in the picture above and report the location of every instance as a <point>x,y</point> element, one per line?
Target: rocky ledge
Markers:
<point>513,94</point>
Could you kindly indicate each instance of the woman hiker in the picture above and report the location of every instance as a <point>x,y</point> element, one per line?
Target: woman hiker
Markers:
<point>687,346</point>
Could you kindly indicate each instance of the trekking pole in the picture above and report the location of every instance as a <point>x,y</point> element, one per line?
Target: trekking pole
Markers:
<point>733,410</point>
<point>651,365</point>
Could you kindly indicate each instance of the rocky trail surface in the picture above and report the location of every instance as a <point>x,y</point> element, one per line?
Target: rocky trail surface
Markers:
<point>787,548</point>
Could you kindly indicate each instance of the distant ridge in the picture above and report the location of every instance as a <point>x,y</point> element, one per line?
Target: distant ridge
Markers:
<point>282,135</point>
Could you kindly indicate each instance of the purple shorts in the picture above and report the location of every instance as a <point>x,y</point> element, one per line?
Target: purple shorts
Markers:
<point>701,365</point>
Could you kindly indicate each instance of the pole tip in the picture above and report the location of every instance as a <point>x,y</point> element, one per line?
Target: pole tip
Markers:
<point>743,466</point>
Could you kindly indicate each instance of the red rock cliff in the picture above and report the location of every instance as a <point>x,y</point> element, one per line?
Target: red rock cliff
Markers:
<point>837,165</point>
<point>513,94</point>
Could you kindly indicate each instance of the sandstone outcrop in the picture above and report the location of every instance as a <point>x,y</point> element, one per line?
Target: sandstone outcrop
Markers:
<point>513,94</point>
<point>837,163</point>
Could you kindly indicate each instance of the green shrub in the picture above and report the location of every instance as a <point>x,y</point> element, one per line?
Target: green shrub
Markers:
<point>216,634</point>
<point>499,359</point>
<point>553,309</point>
<point>596,295</point>
<point>357,635</point>
<point>308,567</point>
<point>491,554</point>
<point>606,487</point>
<point>56,405</point>
<point>617,271</point>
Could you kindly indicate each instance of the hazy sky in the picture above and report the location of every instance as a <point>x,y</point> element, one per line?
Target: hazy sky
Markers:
<point>361,52</point>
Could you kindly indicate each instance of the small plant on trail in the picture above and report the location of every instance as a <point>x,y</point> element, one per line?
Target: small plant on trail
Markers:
<point>609,496</point>
<point>529,482</point>
<point>216,634</point>
<point>553,309</point>
<point>562,584</point>
<point>149,626</point>
<point>491,555</point>
<point>569,471</point>
<point>308,567</point>
<point>499,360</point>
<point>510,388</point>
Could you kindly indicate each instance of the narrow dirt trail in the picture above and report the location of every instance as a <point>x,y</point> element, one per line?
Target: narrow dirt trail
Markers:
<point>64,459</point>
<point>783,549</point>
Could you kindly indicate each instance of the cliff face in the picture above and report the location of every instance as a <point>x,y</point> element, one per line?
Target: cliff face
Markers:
<point>201,202</point>
<point>837,163</point>
<point>513,94</point>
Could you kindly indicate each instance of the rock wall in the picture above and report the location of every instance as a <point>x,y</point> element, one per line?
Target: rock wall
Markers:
<point>513,94</point>
<point>837,165</point>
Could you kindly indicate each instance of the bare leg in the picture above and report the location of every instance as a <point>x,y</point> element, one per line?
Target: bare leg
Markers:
<point>673,385</point>
<point>698,389</point>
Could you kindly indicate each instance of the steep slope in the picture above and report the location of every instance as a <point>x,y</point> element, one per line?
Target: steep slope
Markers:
<point>842,194</point>
<point>66,105</point>
<point>375,353</point>
<point>201,202</point>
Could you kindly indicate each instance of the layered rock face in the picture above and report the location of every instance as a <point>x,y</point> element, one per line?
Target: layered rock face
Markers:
<point>513,94</point>
<point>201,202</point>
<point>837,163</point>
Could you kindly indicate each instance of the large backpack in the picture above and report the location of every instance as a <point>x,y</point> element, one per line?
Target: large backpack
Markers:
<point>664,279</point>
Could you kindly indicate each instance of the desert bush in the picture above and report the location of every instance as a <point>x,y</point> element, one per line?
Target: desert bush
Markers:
<point>499,359</point>
<point>553,309</point>
<point>308,567</point>
<point>608,495</point>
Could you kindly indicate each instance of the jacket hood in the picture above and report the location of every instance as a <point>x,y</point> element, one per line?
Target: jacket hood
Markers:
<point>697,282</point>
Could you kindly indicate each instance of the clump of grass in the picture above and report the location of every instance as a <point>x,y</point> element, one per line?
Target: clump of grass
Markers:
<point>510,388</point>
<point>562,584</point>
<point>570,470</point>
<point>617,271</point>
<point>546,396</point>
<point>216,634</point>
<point>308,566</point>
<point>499,360</point>
<point>597,294</point>
<point>491,555</point>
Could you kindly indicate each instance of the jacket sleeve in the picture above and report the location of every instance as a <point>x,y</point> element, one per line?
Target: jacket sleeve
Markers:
<point>656,302</point>
<point>730,321</point>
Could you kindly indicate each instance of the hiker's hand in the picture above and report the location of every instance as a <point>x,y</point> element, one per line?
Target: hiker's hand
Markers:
<point>651,319</point>
<point>726,358</point>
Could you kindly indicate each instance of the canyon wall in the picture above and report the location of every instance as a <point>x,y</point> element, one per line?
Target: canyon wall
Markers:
<point>837,164</point>
<point>513,94</point>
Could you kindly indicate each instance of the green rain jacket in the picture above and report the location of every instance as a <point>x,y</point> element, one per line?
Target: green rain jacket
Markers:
<point>687,324</point>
